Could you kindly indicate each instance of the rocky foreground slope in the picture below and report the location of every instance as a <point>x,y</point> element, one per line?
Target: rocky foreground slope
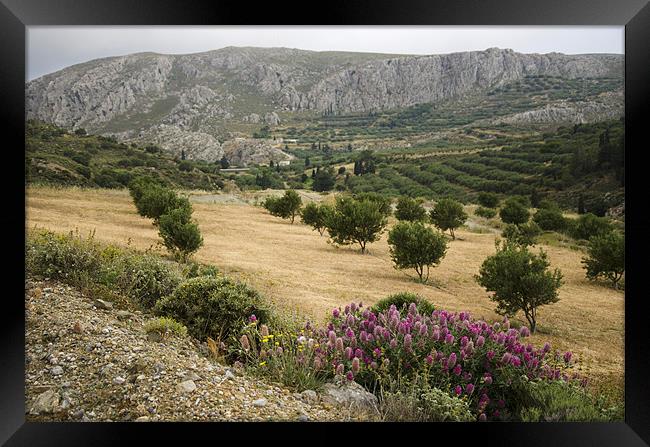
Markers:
<point>189,98</point>
<point>88,361</point>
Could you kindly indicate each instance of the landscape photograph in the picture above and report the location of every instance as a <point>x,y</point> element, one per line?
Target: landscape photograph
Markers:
<point>325,224</point>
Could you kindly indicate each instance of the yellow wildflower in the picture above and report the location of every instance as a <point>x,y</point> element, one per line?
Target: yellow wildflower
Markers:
<point>262,363</point>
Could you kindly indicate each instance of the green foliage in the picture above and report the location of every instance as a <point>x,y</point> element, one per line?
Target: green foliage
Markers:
<point>414,245</point>
<point>324,180</point>
<point>286,206</point>
<point>383,202</point>
<point>488,200</point>
<point>558,401</point>
<point>316,215</point>
<point>213,307</point>
<point>157,200</point>
<point>606,257</point>
<point>550,219</point>
<point>180,235</point>
<point>487,213</point>
<point>63,256</point>
<point>430,405</point>
<point>588,226</point>
<point>524,234</point>
<point>520,280</point>
<point>356,221</point>
<point>143,278</point>
<point>410,210</point>
<point>448,215</point>
<point>165,327</point>
<point>402,302</point>
<point>514,212</point>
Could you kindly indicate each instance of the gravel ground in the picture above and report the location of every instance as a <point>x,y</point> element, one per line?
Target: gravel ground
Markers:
<point>86,363</point>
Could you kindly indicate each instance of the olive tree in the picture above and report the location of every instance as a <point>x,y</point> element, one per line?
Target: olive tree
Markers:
<point>356,221</point>
<point>410,210</point>
<point>519,280</point>
<point>286,207</point>
<point>514,212</point>
<point>524,234</point>
<point>448,215</point>
<point>606,257</point>
<point>179,233</point>
<point>315,215</point>
<point>414,245</point>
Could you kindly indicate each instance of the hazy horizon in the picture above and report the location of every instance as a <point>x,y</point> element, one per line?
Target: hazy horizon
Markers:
<point>52,48</point>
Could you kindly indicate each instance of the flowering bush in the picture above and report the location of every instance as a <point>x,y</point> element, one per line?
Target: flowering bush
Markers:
<point>486,364</point>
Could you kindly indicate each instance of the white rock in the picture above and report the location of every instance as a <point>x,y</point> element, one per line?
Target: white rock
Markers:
<point>259,403</point>
<point>187,386</point>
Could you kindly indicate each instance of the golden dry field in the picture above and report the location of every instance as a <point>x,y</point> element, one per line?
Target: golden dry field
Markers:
<point>297,269</point>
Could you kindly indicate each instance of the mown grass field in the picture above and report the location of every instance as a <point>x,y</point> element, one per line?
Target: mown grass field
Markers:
<point>296,268</point>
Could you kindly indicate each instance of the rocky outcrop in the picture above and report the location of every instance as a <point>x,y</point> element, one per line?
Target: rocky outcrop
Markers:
<point>608,106</point>
<point>245,151</point>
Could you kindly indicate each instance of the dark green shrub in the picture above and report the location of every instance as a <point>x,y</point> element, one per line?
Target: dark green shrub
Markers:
<point>524,234</point>
<point>402,301</point>
<point>550,219</point>
<point>144,278</point>
<point>213,307</point>
<point>488,199</point>
<point>410,210</point>
<point>588,225</point>
<point>487,213</point>
<point>606,257</point>
<point>514,212</point>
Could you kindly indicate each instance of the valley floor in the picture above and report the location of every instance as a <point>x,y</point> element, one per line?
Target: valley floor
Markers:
<point>296,267</point>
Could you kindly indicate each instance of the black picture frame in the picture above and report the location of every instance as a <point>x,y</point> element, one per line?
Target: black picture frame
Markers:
<point>15,15</point>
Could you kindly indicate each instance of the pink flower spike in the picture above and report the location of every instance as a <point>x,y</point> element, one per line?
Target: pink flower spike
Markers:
<point>458,390</point>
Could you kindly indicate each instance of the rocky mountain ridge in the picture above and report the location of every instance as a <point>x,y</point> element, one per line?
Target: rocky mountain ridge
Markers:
<point>148,94</point>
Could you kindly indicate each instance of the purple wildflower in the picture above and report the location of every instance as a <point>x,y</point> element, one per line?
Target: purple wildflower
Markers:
<point>252,318</point>
<point>524,331</point>
<point>452,360</point>
<point>349,353</point>
<point>458,390</point>
<point>408,342</point>
<point>350,376</point>
<point>336,313</point>
<point>339,344</point>
<point>358,353</point>
<point>429,359</point>
<point>469,388</point>
<point>457,369</point>
<point>393,343</point>
<point>355,365</point>
<point>482,417</point>
<point>340,369</point>
<point>567,357</point>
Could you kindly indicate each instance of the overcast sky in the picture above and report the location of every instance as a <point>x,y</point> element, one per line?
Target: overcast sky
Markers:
<point>51,48</point>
